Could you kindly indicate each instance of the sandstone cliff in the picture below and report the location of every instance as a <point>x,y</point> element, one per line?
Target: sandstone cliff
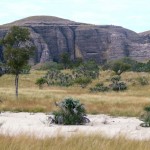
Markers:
<point>54,36</point>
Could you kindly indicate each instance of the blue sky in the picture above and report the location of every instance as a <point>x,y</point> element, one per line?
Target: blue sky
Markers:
<point>131,14</point>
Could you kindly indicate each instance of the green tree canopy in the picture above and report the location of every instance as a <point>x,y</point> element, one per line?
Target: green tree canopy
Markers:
<point>119,67</point>
<point>17,51</point>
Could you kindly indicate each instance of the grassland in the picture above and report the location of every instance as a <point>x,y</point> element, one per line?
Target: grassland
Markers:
<point>73,143</point>
<point>33,99</point>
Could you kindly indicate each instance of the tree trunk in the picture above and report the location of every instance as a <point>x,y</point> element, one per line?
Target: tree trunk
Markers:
<point>16,84</point>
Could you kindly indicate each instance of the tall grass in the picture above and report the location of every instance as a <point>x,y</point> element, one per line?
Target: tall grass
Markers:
<point>31,98</point>
<point>73,143</point>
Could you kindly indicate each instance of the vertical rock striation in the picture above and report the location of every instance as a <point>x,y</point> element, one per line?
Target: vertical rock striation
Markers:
<point>53,36</point>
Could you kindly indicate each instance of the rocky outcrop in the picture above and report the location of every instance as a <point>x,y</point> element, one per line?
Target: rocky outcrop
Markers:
<point>53,36</point>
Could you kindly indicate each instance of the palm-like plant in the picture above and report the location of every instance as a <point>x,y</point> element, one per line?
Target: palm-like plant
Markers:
<point>71,112</point>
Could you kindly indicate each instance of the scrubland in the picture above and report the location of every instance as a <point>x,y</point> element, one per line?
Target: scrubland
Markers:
<point>32,99</point>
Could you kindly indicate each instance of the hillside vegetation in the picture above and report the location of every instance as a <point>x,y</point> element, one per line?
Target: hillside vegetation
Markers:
<point>127,103</point>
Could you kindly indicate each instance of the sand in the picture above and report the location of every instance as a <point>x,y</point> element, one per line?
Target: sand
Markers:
<point>37,124</point>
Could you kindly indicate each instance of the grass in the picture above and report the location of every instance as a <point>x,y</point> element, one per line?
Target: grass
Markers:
<point>32,99</point>
<point>93,142</point>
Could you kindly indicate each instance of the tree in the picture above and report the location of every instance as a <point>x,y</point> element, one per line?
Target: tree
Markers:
<point>119,67</point>
<point>17,51</point>
<point>65,59</point>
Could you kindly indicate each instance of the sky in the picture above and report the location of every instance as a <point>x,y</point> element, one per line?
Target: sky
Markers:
<point>131,14</point>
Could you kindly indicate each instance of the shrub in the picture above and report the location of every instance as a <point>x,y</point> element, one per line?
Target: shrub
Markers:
<point>83,81</point>
<point>52,76</point>
<point>40,82</point>
<point>117,85</point>
<point>146,117</point>
<point>77,62</point>
<point>71,112</point>
<point>65,79</point>
<point>88,69</point>
<point>134,65</point>
<point>65,60</point>
<point>48,66</point>
<point>115,78</point>
<point>99,88</point>
<point>56,77</point>
<point>143,80</point>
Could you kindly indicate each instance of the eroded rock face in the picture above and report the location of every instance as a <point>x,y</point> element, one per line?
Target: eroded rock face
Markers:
<point>53,36</point>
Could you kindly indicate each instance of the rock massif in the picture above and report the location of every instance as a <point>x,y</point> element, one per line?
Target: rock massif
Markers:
<point>53,36</point>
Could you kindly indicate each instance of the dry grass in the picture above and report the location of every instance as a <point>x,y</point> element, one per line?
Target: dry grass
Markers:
<point>128,103</point>
<point>73,143</point>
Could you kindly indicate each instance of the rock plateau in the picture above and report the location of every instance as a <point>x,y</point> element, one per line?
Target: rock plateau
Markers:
<point>53,36</point>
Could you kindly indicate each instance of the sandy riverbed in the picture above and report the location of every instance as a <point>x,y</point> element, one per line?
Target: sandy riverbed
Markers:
<point>38,125</point>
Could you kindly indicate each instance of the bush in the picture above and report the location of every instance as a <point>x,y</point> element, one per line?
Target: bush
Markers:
<point>71,112</point>
<point>146,117</point>
<point>99,88</point>
<point>117,85</point>
<point>88,69</point>
<point>83,81</point>
<point>48,66</point>
<point>52,76</point>
<point>65,60</point>
<point>40,82</point>
<point>143,81</point>
<point>125,63</point>
<point>64,80</point>
<point>115,78</point>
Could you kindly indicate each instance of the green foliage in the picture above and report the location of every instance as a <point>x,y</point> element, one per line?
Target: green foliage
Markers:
<point>65,80</point>
<point>117,85</point>
<point>71,112</point>
<point>88,69</point>
<point>65,60</point>
<point>115,78</point>
<point>137,66</point>
<point>17,51</point>
<point>56,77</point>
<point>48,66</point>
<point>77,62</point>
<point>99,87</point>
<point>146,117</point>
<point>52,76</point>
<point>26,69</point>
<point>132,65</point>
<point>83,81</point>
<point>143,81</point>
<point>119,67</point>
<point>40,82</point>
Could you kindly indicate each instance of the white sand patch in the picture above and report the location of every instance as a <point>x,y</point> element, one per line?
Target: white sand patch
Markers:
<point>38,125</point>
